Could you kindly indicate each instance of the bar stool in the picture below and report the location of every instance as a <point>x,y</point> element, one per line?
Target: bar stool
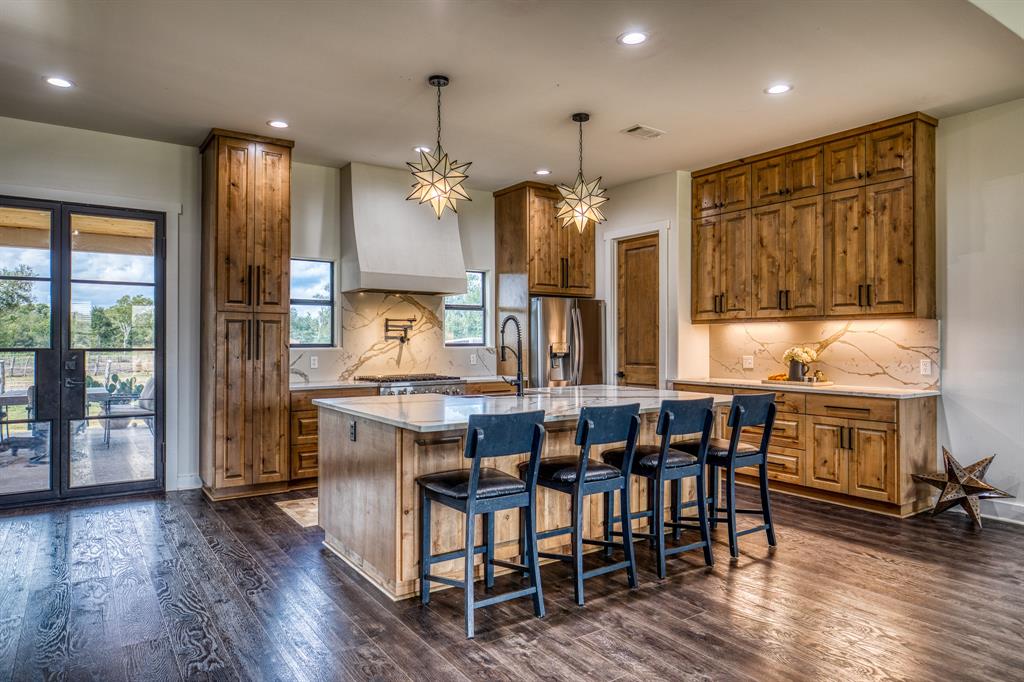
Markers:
<point>747,410</point>
<point>483,490</point>
<point>661,463</point>
<point>580,477</point>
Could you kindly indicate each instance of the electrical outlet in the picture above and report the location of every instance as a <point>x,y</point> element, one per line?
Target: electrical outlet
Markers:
<point>473,359</point>
<point>926,367</point>
<point>748,362</point>
<point>314,362</point>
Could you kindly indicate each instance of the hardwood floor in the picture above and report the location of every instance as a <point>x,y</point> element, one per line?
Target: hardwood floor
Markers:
<point>175,587</point>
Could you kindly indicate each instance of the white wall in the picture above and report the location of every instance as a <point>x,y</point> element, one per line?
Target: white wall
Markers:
<point>66,164</point>
<point>980,213</point>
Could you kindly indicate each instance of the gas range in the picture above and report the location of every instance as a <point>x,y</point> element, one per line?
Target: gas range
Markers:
<point>408,384</point>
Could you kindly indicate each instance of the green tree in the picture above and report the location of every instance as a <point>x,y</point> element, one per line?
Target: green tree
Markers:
<point>126,324</point>
<point>24,323</point>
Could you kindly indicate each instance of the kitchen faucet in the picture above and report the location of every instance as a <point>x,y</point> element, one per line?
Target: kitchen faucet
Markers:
<point>518,352</point>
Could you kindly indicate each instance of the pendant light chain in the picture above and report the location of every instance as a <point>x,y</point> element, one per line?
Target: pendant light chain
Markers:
<point>581,148</point>
<point>438,117</point>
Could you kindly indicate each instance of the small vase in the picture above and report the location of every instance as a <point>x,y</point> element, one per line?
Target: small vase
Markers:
<point>797,370</point>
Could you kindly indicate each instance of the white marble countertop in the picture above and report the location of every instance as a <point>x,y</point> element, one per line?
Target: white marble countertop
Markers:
<point>430,412</point>
<point>351,383</point>
<point>839,389</point>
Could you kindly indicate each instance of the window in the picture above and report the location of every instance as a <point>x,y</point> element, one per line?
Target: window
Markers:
<point>312,305</point>
<point>465,315</point>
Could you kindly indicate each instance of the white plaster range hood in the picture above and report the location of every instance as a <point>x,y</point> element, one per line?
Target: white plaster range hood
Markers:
<point>390,244</point>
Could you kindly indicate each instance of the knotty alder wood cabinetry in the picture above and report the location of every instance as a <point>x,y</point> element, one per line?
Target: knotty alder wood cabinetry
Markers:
<point>841,226</point>
<point>244,331</point>
<point>303,462</point>
<point>855,451</point>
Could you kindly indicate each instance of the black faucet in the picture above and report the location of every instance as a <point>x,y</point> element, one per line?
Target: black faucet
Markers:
<point>518,352</point>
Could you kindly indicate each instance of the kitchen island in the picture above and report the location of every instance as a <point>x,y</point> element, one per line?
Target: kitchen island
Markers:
<point>373,448</point>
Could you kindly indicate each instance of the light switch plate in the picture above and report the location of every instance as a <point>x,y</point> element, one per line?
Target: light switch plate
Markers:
<point>926,367</point>
<point>748,362</point>
<point>314,362</point>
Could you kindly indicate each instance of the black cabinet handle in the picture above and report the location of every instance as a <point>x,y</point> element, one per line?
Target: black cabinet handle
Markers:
<point>259,355</point>
<point>842,437</point>
<point>860,294</point>
<point>849,439</point>
<point>780,299</point>
<point>868,172</point>
<point>248,284</point>
<point>787,300</point>
<point>258,300</point>
<point>248,340</point>
<point>869,298</point>
<point>860,175</point>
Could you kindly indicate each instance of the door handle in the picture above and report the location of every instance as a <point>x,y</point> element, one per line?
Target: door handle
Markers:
<point>71,383</point>
<point>780,299</point>
<point>248,283</point>
<point>258,299</point>
<point>860,294</point>
<point>842,437</point>
<point>788,307</point>
<point>868,298</point>
<point>248,340</point>
<point>259,354</point>
<point>849,439</point>
<point>620,374</point>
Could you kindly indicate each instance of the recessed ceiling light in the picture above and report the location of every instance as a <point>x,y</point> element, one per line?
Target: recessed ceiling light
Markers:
<point>632,38</point>
<point>778,89</point>
<point>421,149</point>
<point>277,124</point>
<point>59,82</point>
<point>542,171</point>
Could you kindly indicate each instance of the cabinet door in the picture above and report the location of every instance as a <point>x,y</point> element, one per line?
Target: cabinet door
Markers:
<point>235,170</point>
<point>846,253</point>
<point>768,181</point>
<point>233,401</point>
<point>735,189</point>
<point>735,265</point>
<point>270,398</point>
<point>706,198</point>
<point>272,232</point>
<point>844,164</point>
<point>546,243</point>
<point>889,221</point>
<point>706,264</point>
<point>890,153</point>
<point>578,250</point>
<point>768,234</point>
<point>873,460</point>
<point>804,175</point>
<point>804,270</point>
<point>305,462</point>
<point>826,463</point>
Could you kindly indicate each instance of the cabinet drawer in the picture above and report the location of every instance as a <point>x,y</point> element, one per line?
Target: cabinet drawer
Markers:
<point>489,388</point>
<point>698,388</point>
<point>305,461</point>
<point>304,427</point>
<point>875,409</point>
<point>303,400</point>
<point>788,432</point>
<point>783,465</point>
<point>784,401</point>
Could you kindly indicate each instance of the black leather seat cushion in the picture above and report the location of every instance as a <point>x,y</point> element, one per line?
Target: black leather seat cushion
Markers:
<point>647,457</point>
<point>718,448</point>
<point>562,470</point>
<point>492,483</point>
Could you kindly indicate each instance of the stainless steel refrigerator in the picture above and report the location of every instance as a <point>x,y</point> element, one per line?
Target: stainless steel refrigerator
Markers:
<point>566,341</point>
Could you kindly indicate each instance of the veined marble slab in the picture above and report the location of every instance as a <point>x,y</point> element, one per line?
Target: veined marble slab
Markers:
<point>430,412</point>
<point>838,389</point>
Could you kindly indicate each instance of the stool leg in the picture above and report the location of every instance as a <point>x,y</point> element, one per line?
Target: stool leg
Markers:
<point>658,523</point>
<point>650,505</point>
<point>424,547</point>
<point>524,545</point>
<point>702,515</point>
<point>627,534</point>
<point>609,503</point>
<point>577,546</point>
<point>468,587</point>
<point>532,560</point>
<point>730,504</point>
<point>713,499</point>
<point>489,550</point>
<point>766,506</point>
<point>676,504</point>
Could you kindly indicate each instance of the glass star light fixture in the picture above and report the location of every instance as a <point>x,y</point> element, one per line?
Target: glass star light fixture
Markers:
<point>438,179</point>
<point>582,202</point>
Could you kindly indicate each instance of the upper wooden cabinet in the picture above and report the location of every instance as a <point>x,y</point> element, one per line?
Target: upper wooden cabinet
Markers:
<point>558,260</point>
<point>722,192</point>
<point>841,226</point>
<point>720,280</point>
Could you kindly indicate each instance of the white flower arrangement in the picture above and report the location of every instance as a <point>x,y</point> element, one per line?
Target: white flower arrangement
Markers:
<point>802,354</point>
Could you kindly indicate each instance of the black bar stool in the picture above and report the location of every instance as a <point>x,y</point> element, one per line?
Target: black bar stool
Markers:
<point>661,463</point>
<point>580,477</point>
<point>485,491</point>
<point>747,410</point>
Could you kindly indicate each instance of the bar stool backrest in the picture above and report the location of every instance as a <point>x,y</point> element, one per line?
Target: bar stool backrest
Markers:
<point>682,417</point>
<point>757,409</point>
<point>603,425</point>
<point>502,435</point>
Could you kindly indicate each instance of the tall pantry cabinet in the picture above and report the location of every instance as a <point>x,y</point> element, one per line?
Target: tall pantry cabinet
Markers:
<point>246,244</point>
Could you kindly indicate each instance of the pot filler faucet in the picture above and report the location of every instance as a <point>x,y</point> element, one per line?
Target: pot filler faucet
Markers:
<point>518,352</point>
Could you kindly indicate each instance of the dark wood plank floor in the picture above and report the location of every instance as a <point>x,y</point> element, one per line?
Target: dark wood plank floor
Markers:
<point>175,587</point>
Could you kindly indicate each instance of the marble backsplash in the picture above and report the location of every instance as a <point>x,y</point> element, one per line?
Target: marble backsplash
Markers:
<point>363,349</point>
<point>883,353</point>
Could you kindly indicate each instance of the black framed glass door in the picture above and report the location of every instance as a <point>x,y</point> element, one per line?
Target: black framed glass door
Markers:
<point>81,351</point>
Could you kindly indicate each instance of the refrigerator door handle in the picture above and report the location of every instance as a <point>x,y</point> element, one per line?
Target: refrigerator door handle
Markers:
<point>580,346</point>
<point>573,346</point>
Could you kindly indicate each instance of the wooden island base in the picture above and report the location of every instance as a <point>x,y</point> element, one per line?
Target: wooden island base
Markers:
<point>369,504</point>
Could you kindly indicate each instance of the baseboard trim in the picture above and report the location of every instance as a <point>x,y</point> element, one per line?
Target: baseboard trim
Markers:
<point>188,482</point>
<point>1010,511</point>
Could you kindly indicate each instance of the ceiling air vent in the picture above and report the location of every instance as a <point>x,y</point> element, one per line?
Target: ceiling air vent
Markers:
<point>643,132</point>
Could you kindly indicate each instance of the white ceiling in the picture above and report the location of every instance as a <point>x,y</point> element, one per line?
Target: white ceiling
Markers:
<point>350,76</point>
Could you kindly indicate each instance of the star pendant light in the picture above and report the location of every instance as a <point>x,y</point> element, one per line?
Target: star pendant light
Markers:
<point>582,202</point>
<point>438,179</point>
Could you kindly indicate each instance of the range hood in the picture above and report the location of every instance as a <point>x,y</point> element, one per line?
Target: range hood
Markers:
<point>390,244</point>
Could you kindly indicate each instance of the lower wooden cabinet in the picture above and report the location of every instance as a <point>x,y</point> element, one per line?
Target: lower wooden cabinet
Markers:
<point>304,444</point>
<point>490,388</point>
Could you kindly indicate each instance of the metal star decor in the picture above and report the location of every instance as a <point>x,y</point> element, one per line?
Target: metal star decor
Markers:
<point>961,485</point>
<point>438,179</point>
<point>582,202</point>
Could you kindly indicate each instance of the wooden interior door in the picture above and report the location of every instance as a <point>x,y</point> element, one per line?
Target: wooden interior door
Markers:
<point>272,231</point>
<point>236,166</point>
<point>705,279</point>
<point>846,252</point>
<point>803,258</point>
<point>768,236</point>
<point>735,268</point>
<point>873,460</point>
<point>735,189</point>
<point>546,243</point>
<point>889,239</point>
<point>804,173</point>
<point>844,164</point>
<point>890,153</point>
<point>234,387</point>
<point>706,196</point>
<point>637,311</point>
<point>768,180</point>
<point>826,464</point>
<point>270,398</point>
<point>578,250</point>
